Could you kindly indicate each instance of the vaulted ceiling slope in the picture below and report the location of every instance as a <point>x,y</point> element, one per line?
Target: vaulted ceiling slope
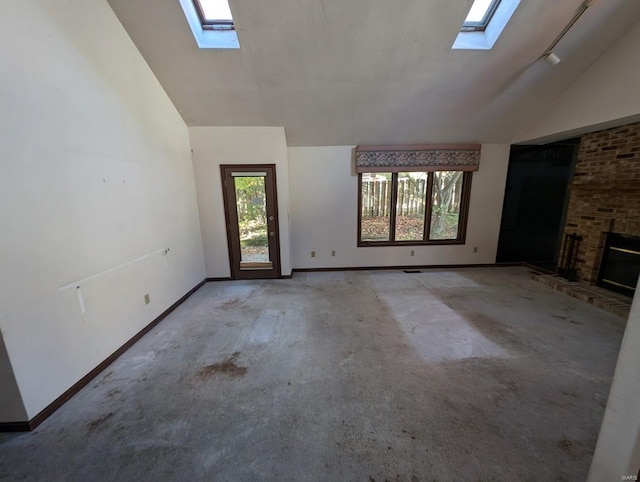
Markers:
<point>336,72</point>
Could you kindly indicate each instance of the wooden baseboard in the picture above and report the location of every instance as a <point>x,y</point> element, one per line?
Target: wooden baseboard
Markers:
<point>15,426</point>
<point>58,402</point>
<point>413,266</point>
<point>212,280</point>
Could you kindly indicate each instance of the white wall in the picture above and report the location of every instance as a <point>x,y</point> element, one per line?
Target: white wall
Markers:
<point>603,95</point>
<point>95,170</point>
<point>324,213</point>
<point>213,146</point>
<point>618,449</point>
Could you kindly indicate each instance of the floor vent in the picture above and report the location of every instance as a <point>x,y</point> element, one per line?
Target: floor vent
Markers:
<point>412,271</point>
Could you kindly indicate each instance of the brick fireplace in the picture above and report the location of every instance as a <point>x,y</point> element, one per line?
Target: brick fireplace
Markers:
<point>604,194</point>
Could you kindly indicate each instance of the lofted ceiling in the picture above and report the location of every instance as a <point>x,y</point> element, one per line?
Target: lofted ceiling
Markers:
<point>336,72</point>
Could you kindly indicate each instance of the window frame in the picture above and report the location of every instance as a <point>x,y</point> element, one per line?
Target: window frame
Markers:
<point>212,24</point>
<point>482,25</point>
<point>465,197</point>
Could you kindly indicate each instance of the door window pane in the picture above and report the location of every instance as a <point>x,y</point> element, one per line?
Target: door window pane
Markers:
<point>410,206</point>
<point>376,207</point>
<point>445,205</point>
<point>252,219</point>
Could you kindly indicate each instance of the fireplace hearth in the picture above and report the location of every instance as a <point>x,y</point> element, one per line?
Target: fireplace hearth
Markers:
<point>620,264</point>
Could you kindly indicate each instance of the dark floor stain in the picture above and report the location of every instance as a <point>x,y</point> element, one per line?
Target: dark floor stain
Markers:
<point>113,393</point>
<point>567,318</point>
<point>96,423</point>
<point>565,445</point>
<point>104,379</point>
<point>490,327</point>
<point>234,303</point>
<point>226,367</point>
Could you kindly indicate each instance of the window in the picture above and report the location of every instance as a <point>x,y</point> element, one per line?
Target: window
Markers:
<point>480,15</point>
<point>211,23</point>
<point>214,14</point>
<point>407,208</point>
<point>484,24</point>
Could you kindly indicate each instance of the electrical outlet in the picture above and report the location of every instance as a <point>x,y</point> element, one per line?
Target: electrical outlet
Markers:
<point>333,253</point>
<point>475,249</point>
<point>413,253</point>
<point>147,299</point>
<point>313,254</point>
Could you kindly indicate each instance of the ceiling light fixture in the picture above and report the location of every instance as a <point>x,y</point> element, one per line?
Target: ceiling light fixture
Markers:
<point>552,58</point>
<point>548,54</point>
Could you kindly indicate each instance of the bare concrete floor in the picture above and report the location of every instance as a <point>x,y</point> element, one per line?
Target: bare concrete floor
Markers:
<point>471,374</point>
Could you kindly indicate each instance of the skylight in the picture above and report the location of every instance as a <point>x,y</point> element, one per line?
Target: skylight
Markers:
<point>214,13</point>
<point>211,23</point>
<point>480,15</point>
<point>484,23</point>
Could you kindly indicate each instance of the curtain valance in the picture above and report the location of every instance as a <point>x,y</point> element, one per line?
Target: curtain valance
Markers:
<point>434,157</point>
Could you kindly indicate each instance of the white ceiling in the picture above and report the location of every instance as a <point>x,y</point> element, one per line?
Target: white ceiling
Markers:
<point>336,72</point>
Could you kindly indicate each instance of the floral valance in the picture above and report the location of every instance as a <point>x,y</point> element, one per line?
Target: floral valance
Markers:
<point>449,157</point>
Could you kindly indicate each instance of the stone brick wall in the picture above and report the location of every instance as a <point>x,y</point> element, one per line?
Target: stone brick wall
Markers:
<point>605,193</point>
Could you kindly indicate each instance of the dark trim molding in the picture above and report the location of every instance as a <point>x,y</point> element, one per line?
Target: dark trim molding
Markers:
<point>213,280</point>
<point>288,276</point>
<point>431,266</point>
<point>15,427</point>
<point>58,402</point>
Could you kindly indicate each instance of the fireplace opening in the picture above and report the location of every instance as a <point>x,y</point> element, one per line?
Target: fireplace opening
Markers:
<point>620,264</point>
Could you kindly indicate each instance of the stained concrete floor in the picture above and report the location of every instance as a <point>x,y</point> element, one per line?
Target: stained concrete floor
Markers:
<point>447,375</point>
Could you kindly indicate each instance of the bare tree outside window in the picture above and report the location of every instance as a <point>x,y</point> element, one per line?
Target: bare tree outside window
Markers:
<point>413,207</point>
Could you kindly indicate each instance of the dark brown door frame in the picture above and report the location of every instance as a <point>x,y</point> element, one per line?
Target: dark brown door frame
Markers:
<point>231,218</point>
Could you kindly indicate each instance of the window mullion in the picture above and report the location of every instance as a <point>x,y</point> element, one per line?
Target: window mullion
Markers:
<point>394,200</point>
<point>427,207</point>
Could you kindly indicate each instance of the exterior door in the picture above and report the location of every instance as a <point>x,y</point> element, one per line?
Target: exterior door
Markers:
<point>251,211</point>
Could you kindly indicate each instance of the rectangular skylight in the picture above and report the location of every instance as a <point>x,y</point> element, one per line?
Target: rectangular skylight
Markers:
<point>211,23</point>
<point>484,23</point>
<point>214,13</point>
<point>480,14</point>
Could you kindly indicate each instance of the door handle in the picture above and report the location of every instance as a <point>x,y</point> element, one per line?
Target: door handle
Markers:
<point>272,234</point>
<point>270,218</point>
